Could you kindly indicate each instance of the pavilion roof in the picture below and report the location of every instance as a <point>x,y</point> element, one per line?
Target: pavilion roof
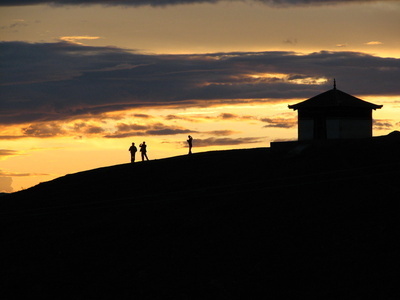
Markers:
<point>334,98</point>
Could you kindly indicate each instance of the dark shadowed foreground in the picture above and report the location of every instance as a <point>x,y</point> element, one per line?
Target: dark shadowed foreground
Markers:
<point>319,221</point>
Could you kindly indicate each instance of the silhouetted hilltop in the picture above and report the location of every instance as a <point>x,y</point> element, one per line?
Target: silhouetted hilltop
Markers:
<point>316,220</point>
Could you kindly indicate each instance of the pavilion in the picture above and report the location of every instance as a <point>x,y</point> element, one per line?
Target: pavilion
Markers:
<point>334,115</point>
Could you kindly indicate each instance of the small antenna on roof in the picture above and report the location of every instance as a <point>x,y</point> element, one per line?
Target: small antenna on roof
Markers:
<point>334,83</point>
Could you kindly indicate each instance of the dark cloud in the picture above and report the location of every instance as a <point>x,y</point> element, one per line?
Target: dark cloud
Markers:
<point>142,116</point>
<point>279,122</point>
<point>6,152</point>
<point>225,141</point>
<point>122,127</point>
<point>167,131</point>
<point>175,117</point>
<point>229,116</point>
<point>221,132</point>
<point>129,130</point>
<point>103,2</point>
<point>379,124</point>
<point>170,2</point>
<point>84,128</point>
<point>43,130</point>
<point>94,130</point>
<point>11,137</point>
<point>200,118</point>
<point>59,81</point>
<point>311,2</point>
<point>123,135</point>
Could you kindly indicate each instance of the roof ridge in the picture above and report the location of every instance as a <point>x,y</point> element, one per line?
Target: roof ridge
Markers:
<point>335,97</point>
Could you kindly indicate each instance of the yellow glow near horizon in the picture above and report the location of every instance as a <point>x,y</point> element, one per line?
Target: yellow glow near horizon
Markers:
<point>76,151</point>
<point>42,159</point>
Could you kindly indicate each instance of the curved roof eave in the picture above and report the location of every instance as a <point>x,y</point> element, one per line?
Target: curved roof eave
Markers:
<point>334,98</point>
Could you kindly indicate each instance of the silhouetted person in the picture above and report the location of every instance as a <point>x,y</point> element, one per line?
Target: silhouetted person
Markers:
<point>190,142</point>
<point>143,149</point>
<point>133,150</point>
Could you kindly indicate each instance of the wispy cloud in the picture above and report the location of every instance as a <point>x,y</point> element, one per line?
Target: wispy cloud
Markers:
<point>76,39</point>
<point>373,43</point>
<point>291,41</point>
<point>15,26</point>
<point>221,132</point>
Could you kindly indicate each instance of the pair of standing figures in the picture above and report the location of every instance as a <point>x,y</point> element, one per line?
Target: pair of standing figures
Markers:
<point>143,150</point>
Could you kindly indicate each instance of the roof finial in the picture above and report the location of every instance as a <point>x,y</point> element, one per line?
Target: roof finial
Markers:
<point>334,83</point>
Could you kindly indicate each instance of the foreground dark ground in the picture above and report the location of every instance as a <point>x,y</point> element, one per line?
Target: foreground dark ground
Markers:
<point>317,222</point>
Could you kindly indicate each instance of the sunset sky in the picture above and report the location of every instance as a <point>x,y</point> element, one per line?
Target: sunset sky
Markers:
<point>83,79</point>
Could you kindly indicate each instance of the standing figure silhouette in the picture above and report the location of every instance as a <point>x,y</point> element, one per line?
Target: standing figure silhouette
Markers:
<point>133,150</point>
<point>190,142</point>
<point>143,149</point>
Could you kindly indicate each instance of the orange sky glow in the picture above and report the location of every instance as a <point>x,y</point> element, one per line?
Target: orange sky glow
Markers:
<point>88,80</point>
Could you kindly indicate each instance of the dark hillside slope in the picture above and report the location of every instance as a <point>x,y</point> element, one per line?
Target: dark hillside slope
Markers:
<point>318,222</point>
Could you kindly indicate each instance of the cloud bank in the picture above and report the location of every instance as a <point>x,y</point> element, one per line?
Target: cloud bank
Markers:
<point>130,130</point>
<point>47,82</point>
<point>172,2</point>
